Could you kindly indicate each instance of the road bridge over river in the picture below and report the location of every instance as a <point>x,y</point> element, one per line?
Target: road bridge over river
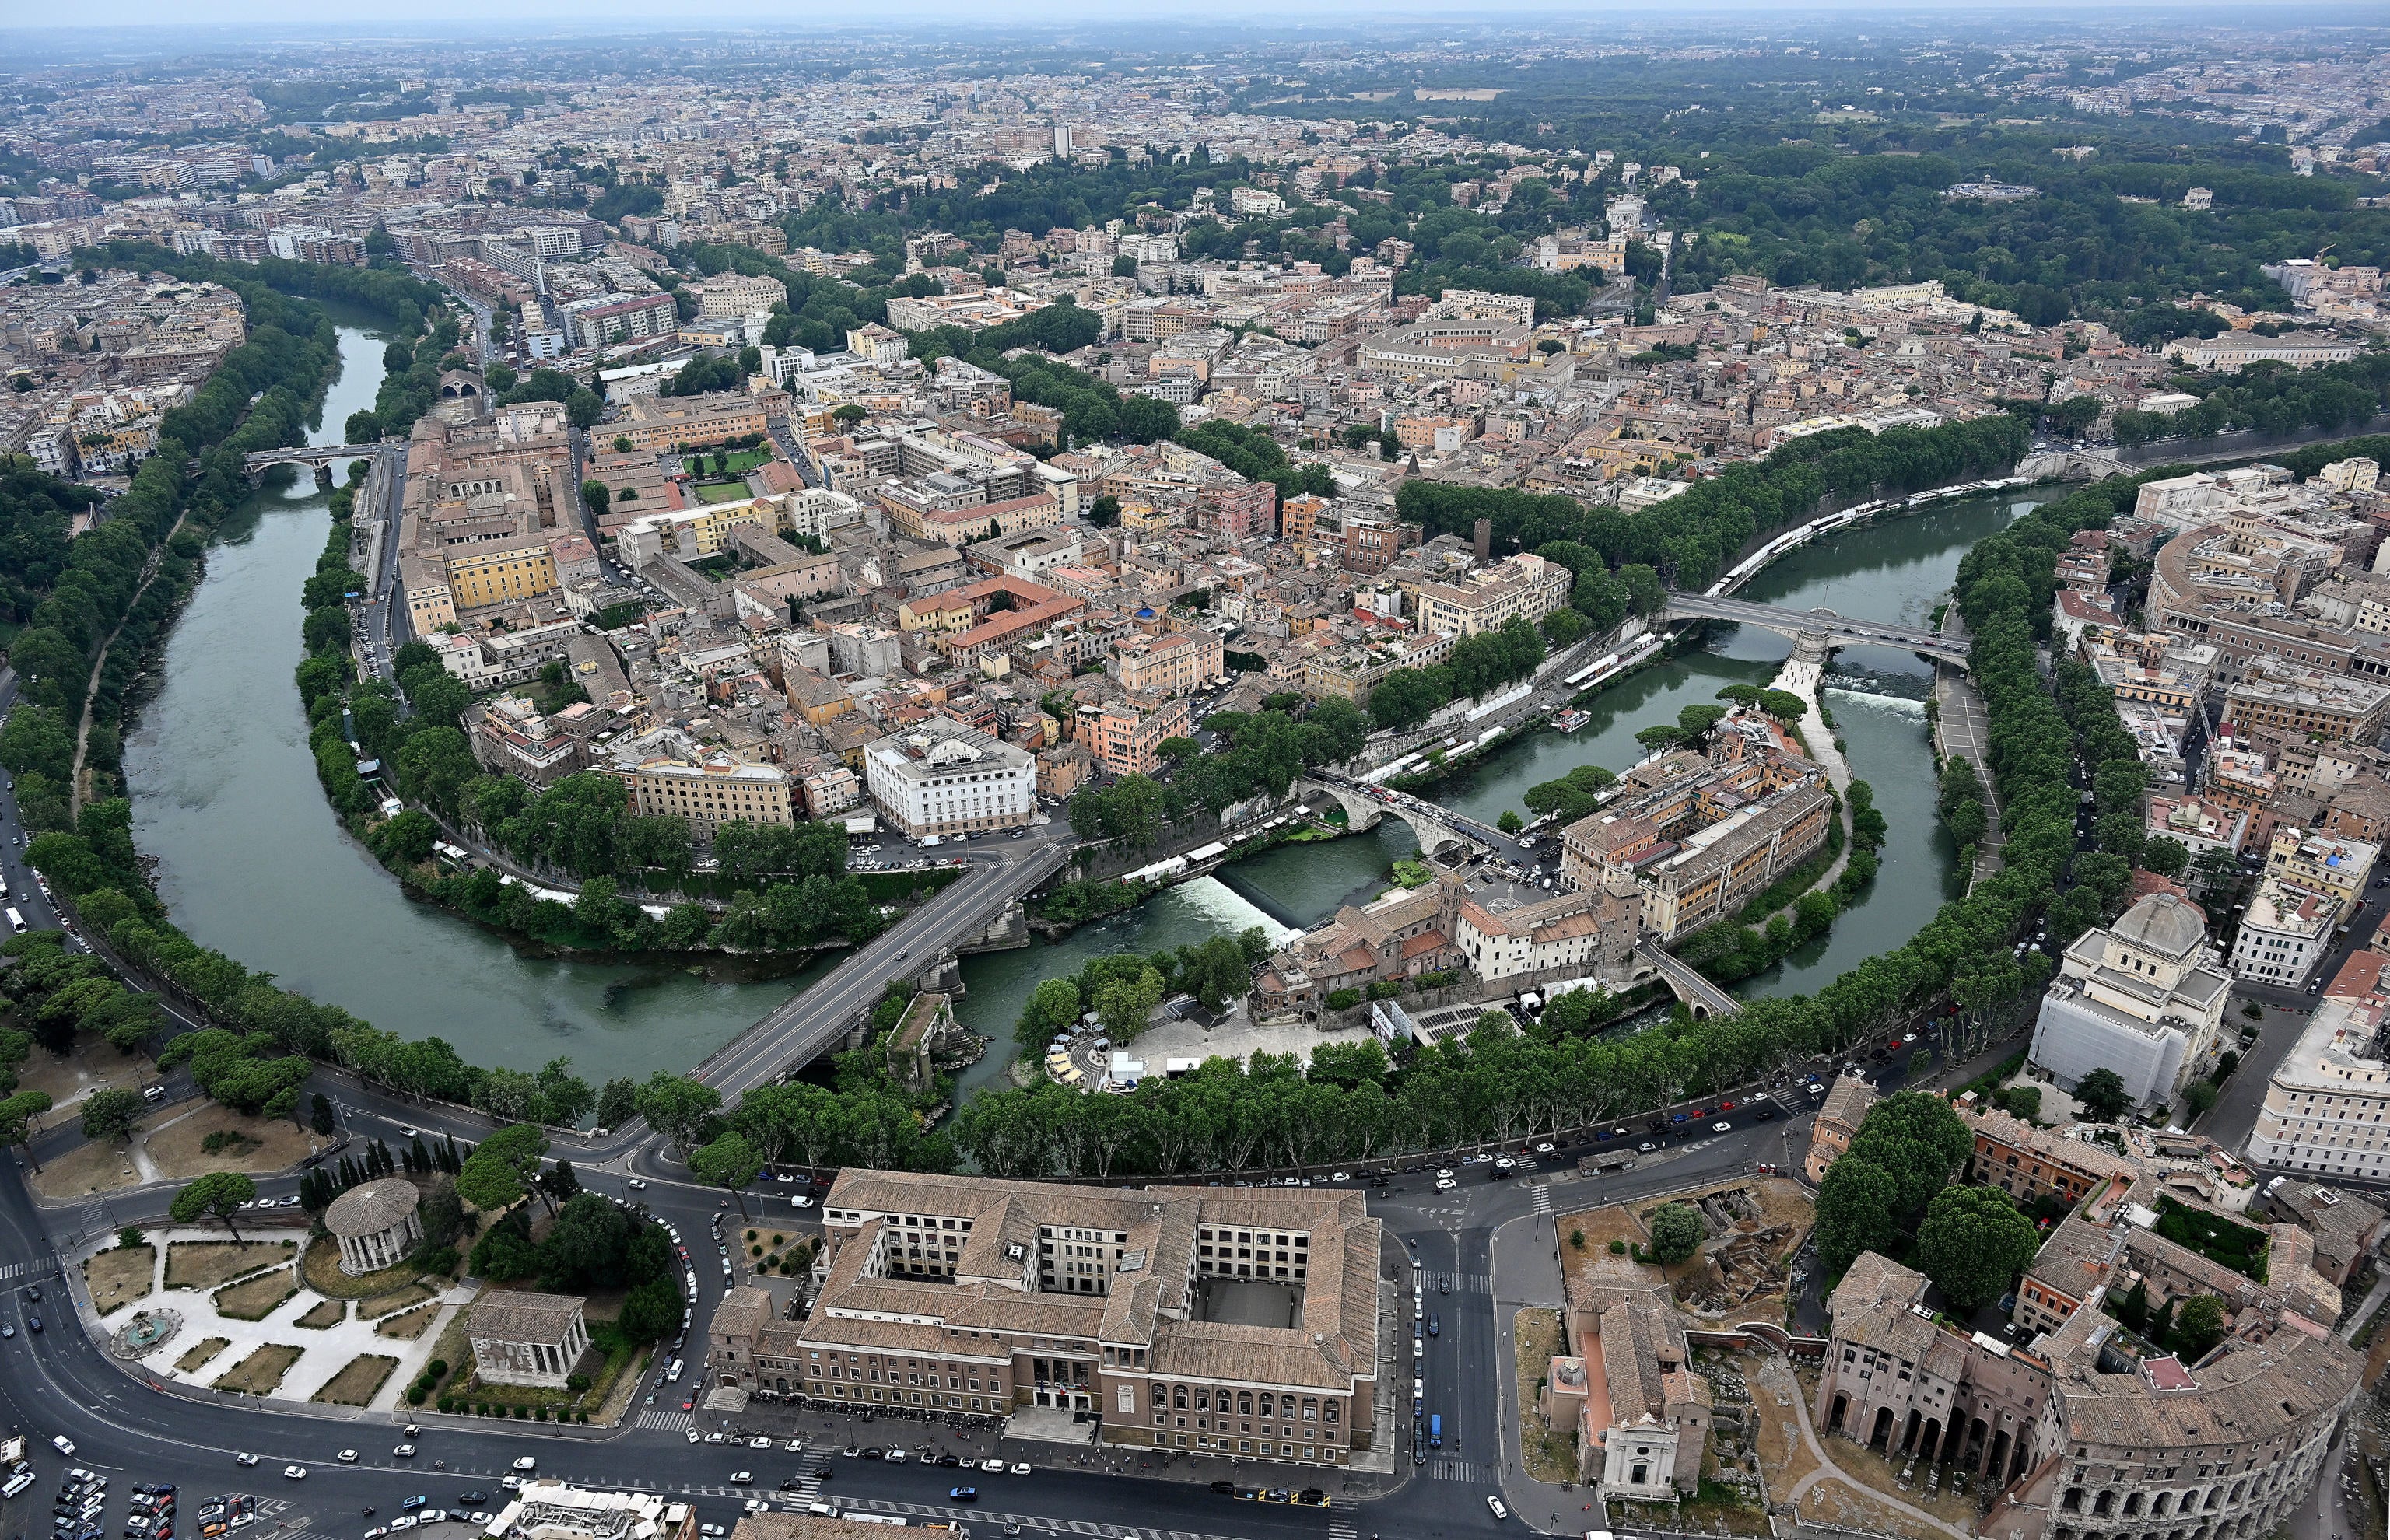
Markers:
<point>1837,631</point>
<point>819,1017</point>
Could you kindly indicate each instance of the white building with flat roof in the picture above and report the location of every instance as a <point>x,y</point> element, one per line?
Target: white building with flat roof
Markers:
<point>944,777</point>
<point>2282,937</point>
<point>2327,1107</point>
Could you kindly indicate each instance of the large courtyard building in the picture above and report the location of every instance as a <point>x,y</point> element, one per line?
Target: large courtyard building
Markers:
<point>1200,1320</point>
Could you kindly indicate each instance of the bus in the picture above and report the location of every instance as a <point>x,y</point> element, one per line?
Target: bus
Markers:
<point>16,921</point>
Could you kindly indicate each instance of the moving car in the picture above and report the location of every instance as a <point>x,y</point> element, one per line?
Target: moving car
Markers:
<point>962,1495</point>
<point>348,1456</point>
<point>1494,1505</point>
<point>295,1472</point>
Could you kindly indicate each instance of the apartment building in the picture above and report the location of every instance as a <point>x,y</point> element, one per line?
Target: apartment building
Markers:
<point>1214,1322</point>
<point>2327,1108</point>
<point>605,320</point>
<point>653,423</point>
<point>732,296</point>
<point>2031,1163</point>
<point>1523,586</point>
<point>669,775</point>
<point>2284,934</point>
<point>694,533</point>
<point>1177,662</point>
<point>2333,868</point>
<point>942,777</point>
<point>1126,735</point>
<point>2277,702</point>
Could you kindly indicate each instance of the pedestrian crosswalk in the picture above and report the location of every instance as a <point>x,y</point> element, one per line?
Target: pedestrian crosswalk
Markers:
<point>91,1218</point>
<point>665,1420</point>
<point>41,1269</point>
<point>1459,1283</point>
<point>1340,1527</point>
<point>1540,1198</point>
<point>1454,1470</point>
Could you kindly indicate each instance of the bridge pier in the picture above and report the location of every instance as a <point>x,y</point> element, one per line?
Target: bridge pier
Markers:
<point>1814,646</point>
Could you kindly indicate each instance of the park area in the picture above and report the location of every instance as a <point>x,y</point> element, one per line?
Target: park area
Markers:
<point>246,1317</point>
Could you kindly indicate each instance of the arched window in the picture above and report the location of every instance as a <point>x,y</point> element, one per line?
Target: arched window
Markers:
<point>1244,1402</point>
<point>1161,1397</point>
<point>1180,1398</point>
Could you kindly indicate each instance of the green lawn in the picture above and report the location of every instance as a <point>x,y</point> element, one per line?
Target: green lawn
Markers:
<point>722,492</point>
<point>741,461</point>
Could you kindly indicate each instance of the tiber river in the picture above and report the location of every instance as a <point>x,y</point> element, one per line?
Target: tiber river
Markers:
<point>252,862</point>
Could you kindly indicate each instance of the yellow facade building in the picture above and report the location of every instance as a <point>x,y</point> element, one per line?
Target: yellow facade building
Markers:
<point>501,571</point>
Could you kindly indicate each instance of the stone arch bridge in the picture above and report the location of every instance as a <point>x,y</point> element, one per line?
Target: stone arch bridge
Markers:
<point>318,458</point>
<point>1439,832</point>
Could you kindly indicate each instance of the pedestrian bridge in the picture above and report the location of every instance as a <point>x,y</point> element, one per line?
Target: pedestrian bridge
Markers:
<point>1836,630</point>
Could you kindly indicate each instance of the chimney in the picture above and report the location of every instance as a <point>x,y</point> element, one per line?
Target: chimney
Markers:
<point>1481,540</point>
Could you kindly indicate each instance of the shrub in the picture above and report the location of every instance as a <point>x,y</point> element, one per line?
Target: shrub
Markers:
<point>1617,1248</point>
<point>1576,1239</point>
<point>576,1383</point>
<point>1343,999</point>
<point>519,1414</point>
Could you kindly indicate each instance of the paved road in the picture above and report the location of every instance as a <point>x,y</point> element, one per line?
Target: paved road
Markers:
<point>384,631</point>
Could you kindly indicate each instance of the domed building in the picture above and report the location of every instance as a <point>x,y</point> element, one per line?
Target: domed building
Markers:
<point>2144,997</point>
<point>376,1225</point>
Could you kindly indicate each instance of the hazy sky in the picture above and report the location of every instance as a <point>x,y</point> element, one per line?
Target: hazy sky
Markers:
<point>578,15</point>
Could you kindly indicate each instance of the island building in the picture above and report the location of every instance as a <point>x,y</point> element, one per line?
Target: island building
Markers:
<point>1697,834</point>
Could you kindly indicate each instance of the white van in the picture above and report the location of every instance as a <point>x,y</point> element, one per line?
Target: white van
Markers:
<point>16,921</point>
<point>671,1373</point>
